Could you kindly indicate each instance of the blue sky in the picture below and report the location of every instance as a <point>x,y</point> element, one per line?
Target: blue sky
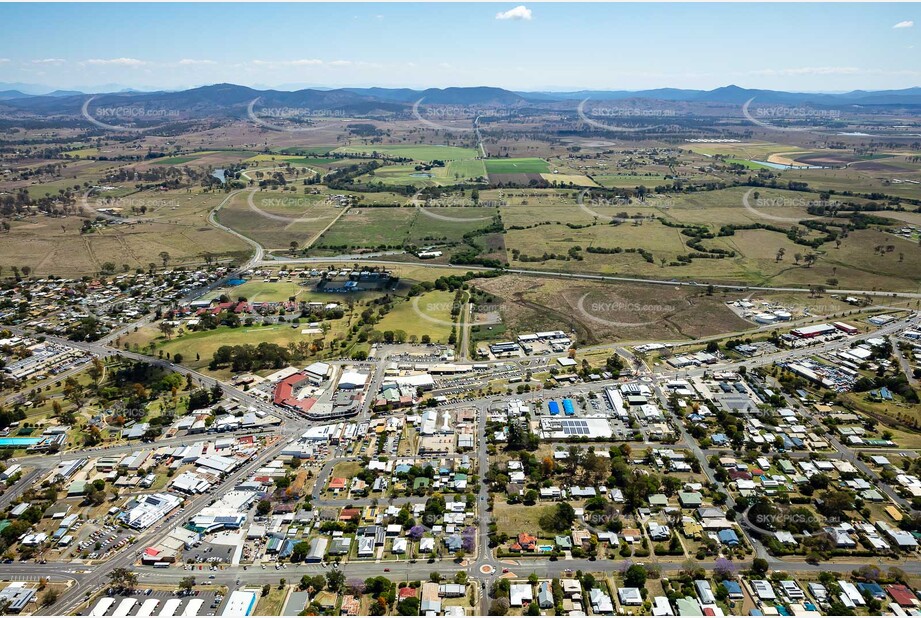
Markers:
<point>538,46</point>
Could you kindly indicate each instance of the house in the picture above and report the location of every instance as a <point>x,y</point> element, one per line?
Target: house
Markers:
<point>818,592</point>
<point>572,589</point>
<point>629,596</point>
<point>661,607</point>
<point>763,590</point>
<point>851,593</point>
<point>704,592</point>
<point>792,590</point>
<point>525,542</point>
<point>658,501</point>
<point>601,603</point>
<point>426,545</point>
<point>733,589</point>
<point>659,532</point>
<point>452,591</point>
<point>16,596</point>
<point>728,537</point>
<point>690,499</point>
<point>519,594</point>
<point>902,595</point>
<point>688,607</point>
<point>544,595</point>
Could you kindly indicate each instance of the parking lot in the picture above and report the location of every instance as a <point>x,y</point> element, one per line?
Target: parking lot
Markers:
<point>199,602</point>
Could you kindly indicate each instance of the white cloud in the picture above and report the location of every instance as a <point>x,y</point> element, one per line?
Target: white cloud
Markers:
<point>811,71</point>
<point>519,13</point>
<point>4,60</point>
<point>904,24</point>
<point>288,63</point>
<point>48,61</point>
<point>121,62</point>
<point>191,62</point>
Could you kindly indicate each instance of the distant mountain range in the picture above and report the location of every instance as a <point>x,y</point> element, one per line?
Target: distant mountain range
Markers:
<point>232,100</point>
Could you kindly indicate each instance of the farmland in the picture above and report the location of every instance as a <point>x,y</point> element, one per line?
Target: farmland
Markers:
<point>414,152</point>
<point>528,165</point>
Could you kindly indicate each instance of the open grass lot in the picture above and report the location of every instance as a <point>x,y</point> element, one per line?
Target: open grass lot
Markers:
<point>417,152</point>
<point>272,603</point>
<point>177,223</point>
<point>853,265</point>
<point>528,165</point>
<point>577,180</point>
<point>466,169</point>
<point>513,519</point>
<point>394,227</point>
<point>428,314</point>
<point>204,343</point>
<point>744,150</point>
<point>258,290</point>
<point>604,312</point>
<point>628,180</point>
<point>275,219</point>
<point>370,227</point>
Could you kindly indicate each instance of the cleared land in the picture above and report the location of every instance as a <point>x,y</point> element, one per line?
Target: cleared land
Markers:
<point>417,152</point>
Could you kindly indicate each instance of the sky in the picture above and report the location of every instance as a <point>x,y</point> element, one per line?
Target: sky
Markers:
<point>534,46</point>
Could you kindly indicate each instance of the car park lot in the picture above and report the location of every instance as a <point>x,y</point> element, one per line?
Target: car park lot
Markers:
<point>208,601</point>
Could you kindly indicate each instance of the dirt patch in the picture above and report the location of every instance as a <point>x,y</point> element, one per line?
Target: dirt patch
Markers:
<point>601,312</point>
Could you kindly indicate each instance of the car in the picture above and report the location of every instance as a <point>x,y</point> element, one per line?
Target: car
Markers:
<point>211,577</point>
<point>504,571</point>
<point>386,570</point>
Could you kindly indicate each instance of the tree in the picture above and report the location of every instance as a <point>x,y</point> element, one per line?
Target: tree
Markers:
<point>335,580</point>
<point>122,578</point>
<point>187,583</point>
<point>264,508</point>
<point>300,551</point>
<point>635,576</point>
<point>166,327</point>
<point>49,598</point>
<point>165,258</point>
<point>760,566</point>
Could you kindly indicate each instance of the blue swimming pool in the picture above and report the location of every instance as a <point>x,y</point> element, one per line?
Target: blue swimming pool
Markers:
<point>19,441</point>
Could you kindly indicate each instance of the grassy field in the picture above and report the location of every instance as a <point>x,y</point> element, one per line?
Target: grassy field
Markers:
<point>417,152</point>
<point>528,165</point>
<point>275,219</point>
<point>205,343</point>
<point>628,180</point>
<point>394,227</point>
<point>609,312</point>
<point>577,180</point>
<point>176,223</point>
<point>428,314</point>
<point>271,604</point>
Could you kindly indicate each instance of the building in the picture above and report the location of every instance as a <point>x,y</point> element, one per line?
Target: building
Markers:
<point>816,330</point>
<point>240,603</point>
<point>149,509</point>
<point>16,596</point>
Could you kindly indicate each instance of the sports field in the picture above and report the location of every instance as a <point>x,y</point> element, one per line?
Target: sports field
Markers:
<point>529,165</point>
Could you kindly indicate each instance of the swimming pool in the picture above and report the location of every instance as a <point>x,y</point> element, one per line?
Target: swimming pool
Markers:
<point>19,441</point>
